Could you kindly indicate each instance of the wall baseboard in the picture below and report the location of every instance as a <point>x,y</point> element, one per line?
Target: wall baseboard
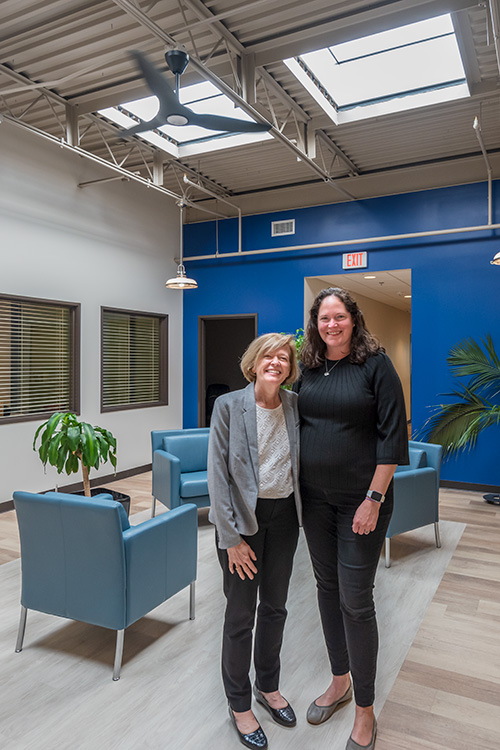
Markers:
<point>495,489</point>
<point>77,486</point>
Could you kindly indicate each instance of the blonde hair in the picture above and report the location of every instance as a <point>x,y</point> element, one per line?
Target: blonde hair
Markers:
<point>266,344</point>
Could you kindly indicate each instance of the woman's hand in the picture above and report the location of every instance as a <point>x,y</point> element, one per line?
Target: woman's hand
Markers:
<point>366,517</point>
<point>241,559</point>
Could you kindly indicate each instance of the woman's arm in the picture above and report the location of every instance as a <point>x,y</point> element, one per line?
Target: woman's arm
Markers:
<point>366,516</point>
<point>240,554</point>
<point>221,507</point>
<point>392,440</point>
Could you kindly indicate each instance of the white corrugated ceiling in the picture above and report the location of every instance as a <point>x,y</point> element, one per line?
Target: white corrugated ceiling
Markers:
<point>77,51</point>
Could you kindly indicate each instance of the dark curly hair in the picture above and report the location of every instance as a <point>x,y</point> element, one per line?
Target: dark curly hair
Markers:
<point>363,344</point>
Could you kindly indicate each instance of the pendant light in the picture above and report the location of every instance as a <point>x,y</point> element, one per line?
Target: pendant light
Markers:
<point>496,260</point>
<point>181,281</point>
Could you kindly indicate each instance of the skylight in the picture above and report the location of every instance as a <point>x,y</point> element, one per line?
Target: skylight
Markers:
<point>187,140</point>
<point>412,66</point>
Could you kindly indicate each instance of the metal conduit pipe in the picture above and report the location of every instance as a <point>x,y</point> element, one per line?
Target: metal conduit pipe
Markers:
<point>477,128</point>
<point>339,243</point>
<point>218,197</point>
<point>125,173</point>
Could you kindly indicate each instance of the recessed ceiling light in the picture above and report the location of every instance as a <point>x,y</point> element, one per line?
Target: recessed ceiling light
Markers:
<point>407,296</point>
<point>370,277</point>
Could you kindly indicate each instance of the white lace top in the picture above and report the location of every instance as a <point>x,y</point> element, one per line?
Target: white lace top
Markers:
<point>275,466</point>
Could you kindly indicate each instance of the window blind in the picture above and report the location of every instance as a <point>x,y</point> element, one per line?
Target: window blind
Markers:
<point>132,372</point>
<point>35,358</point>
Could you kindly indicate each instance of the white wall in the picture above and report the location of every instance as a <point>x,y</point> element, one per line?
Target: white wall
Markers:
<point>111,244</point>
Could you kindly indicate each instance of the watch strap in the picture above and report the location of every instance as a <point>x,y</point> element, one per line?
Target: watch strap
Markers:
<point>375,496</point>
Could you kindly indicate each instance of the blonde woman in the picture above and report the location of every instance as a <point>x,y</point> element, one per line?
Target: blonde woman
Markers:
<point>253,459</point>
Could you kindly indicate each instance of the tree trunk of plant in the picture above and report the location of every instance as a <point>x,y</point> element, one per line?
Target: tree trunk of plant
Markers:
<point>86,481</point>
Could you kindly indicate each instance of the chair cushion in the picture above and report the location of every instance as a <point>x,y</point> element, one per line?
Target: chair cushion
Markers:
<point>194,484</point>
<point>418,460</point>
<point>191,450</point>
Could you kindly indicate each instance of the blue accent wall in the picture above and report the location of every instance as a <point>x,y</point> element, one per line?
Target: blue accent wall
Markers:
<point>455,290</point>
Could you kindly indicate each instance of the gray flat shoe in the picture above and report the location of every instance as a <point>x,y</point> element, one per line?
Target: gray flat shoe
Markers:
<point>351,745</point>
<point>318,714</point>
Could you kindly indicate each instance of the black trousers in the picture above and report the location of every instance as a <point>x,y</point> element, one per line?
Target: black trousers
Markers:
<point>274,544</point>
<point>344,565</point>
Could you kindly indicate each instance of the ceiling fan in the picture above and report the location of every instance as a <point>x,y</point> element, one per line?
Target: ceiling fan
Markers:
<point>171,111</point>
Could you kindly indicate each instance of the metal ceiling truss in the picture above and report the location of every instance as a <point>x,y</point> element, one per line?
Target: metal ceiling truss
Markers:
<point>253,89</point>
<point>75,130</point>
<point>78,129</point>
<point>206,73</point>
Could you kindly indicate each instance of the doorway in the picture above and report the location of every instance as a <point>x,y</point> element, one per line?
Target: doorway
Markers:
<point>222,339</point>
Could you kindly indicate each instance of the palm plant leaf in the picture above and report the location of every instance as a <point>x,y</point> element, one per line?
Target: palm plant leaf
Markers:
<point>456,426</point>
<point>70,445</point>
<point>468,359</point>
<point>50,425</point>
<point>89,445</point>
<point>72,464</point>
<point>54,448</point>
<point>73,435</point>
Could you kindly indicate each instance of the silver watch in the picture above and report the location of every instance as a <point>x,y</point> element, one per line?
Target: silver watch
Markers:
<point>377,497</point>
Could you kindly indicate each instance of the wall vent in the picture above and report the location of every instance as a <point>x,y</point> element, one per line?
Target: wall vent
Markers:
<point>279,228</point>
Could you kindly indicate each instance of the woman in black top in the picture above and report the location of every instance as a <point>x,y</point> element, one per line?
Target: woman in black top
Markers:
<point>353,435</point>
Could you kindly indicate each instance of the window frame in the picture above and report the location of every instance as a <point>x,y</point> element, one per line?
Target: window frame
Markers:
<point>74,309</point>
<point>162,359</point>
<point>321,86</point>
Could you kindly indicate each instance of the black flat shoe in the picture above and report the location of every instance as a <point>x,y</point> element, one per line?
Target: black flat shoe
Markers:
<point>256,739</point>
<point>284,716</point>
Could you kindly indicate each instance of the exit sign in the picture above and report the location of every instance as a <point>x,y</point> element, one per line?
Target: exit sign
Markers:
<point>354,260</point>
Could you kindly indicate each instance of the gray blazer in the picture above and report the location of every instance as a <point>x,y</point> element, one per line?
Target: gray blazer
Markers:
<point>233,462</point>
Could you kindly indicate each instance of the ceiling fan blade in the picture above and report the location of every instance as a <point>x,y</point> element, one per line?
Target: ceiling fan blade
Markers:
<point>142,127</point>
<point>158,84</point>
<point>230,124</point>
<point>171,108</point>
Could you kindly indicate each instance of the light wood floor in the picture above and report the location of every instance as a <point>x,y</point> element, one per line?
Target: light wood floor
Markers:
<point>446,695</point>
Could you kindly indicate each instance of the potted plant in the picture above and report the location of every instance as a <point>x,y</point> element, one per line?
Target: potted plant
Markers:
<point>71,445</point>
<point>456,426</point>
<point>299,340</point>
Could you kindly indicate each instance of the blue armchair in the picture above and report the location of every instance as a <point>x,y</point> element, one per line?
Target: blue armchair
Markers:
<point>416,493</point>
<point>180,467</point>
<point>80,559</point>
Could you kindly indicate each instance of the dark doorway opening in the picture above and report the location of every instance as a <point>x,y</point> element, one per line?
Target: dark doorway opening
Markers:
<point>222,339</point>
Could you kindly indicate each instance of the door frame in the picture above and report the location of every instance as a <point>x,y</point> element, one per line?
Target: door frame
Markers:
<point>202,374</point>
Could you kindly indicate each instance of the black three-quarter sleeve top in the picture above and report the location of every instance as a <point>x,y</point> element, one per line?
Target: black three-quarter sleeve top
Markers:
<point>351,420</point>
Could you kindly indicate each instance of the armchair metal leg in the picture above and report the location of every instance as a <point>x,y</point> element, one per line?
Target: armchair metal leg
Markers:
<point>387,552</point>
<point>191,599</point>
<point>120,634</point>
<point>153,508</point>
<point>21,630</point>
<point>436,533</point>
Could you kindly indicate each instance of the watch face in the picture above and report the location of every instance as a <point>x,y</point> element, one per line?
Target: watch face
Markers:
<point>377,496</point>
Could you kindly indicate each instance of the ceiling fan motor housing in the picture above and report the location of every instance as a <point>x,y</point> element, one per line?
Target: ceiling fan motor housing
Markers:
<point>177,60</point>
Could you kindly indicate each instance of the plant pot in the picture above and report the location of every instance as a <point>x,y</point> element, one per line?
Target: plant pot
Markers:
<point>120,497</point>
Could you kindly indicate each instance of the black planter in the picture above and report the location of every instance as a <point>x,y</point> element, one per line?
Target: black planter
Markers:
<point>120,497</point>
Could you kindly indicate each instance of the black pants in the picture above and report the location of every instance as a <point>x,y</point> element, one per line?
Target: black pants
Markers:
<point>344,565</point>
<point>274,544</point>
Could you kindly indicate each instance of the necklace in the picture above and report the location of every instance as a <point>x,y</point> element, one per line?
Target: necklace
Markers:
<point>328,371</point>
